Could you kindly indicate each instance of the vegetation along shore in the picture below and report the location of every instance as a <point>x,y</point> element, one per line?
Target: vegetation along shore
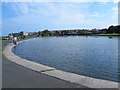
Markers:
<point>110,31</point>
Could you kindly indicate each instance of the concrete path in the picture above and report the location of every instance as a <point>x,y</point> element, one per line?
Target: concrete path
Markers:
<point>21,77</point>
<point>16,76</point>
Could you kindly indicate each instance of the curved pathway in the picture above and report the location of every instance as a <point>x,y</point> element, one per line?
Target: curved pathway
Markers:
<point>70,77</point>
<point>17,76</point>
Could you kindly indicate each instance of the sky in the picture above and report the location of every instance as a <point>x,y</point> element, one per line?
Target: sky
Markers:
<point>38,16</point>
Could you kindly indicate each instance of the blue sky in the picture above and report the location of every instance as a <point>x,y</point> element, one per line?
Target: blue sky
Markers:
<point>37,16</point>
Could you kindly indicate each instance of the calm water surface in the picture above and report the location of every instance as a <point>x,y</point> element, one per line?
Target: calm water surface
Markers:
<point>90,56</point>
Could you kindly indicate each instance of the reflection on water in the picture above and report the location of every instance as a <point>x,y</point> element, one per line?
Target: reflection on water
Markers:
<point>91,56</point>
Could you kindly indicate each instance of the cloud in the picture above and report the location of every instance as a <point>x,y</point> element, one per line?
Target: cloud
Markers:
<point>54,15</point>
<point>48,13</point>
<point>115,13</point>
<point>116,1</point>
<point>115,9</point>
<point>20,8</point>
<point>96,15</point>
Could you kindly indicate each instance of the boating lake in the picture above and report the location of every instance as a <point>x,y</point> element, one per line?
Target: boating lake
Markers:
<point>90,56</point>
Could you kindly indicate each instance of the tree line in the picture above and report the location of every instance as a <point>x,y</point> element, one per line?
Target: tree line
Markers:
<point>110,30</point>
<point>113,29</point>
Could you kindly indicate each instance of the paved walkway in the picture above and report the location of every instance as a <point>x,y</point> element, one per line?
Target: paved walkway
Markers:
<point>16,76</point>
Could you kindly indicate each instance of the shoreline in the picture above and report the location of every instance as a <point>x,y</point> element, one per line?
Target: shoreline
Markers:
<point>71,77</point>
<point>17,76</point>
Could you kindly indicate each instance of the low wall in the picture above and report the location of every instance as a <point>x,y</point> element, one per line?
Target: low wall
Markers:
<point>71,77</point>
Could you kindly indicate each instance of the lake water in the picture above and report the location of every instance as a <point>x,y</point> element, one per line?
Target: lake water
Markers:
<point>90,56</point>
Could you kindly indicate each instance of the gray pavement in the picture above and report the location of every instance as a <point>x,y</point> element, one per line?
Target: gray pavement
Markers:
<point>16,76</point>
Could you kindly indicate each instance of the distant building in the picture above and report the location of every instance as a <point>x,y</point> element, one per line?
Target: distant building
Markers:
<point>30,33</point>
<point>24,33</point>
<point>72,32</point>
<point>14,35</point>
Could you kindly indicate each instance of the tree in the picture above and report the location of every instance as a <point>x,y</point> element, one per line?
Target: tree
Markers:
<point>46,33</point>
<point>113,29</point>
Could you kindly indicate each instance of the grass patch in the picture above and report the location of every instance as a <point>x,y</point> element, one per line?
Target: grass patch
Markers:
<point>0,53</point>
<point>108,34</point>
<point>47,70</point>
<point>2,42</point>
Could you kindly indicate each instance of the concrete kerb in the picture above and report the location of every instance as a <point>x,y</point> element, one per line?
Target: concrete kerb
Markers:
<point>71,77</point>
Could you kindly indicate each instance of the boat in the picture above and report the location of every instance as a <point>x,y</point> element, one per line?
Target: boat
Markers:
<point>110,37</point>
